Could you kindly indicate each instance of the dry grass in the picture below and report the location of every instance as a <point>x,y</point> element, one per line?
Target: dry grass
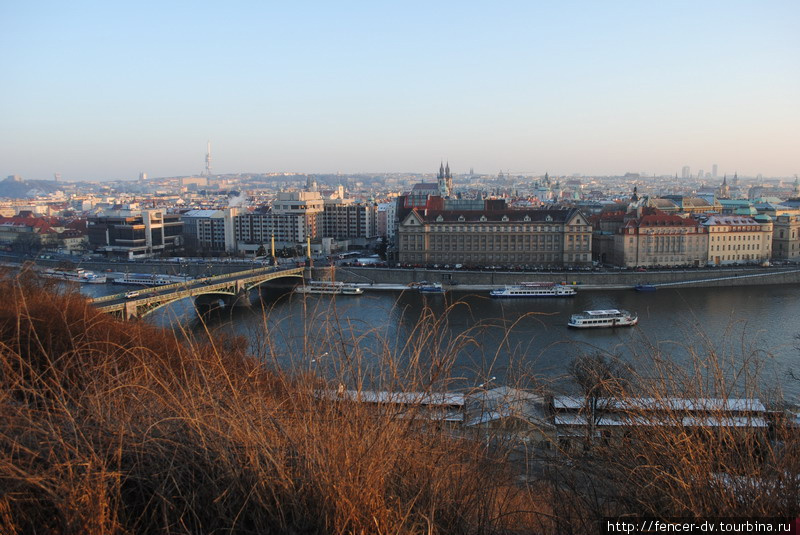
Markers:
<point>112,427</point>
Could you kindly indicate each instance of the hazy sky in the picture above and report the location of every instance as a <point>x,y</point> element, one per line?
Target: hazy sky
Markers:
<point>106,89</point>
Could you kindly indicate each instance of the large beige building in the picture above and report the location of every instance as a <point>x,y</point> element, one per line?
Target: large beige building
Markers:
<point>737,239</point>
<point>546,237</point>
<point>661,239</point>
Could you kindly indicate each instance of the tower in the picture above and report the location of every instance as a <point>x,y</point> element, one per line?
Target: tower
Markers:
<point>208,160</point>
<point>444,180</point>
<point>448,179</point>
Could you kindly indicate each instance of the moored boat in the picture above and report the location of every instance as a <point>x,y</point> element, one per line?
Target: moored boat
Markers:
<point>645,288</point>
<point>78,275</point>
<point>534,289</point>
<point>329,288</point>
<point>593,319</point>
<point>431,288</point>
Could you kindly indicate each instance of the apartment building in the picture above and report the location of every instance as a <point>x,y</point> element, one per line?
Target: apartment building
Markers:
<point>346,219</point>
<point>656,238</point>
<point>738,239</point>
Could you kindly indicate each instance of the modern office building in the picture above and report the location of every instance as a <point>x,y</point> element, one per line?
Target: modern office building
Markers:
<point>135,233</point>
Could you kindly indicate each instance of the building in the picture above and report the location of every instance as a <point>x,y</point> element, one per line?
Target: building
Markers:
<point>786,237</point>
<point>297,215</point>
<point>738,239</point>
<point>210,231</point>
<point>686,172</point>
<point>578,419</point>
<point>385,220</point>
<point>346,219</point>
<point>28,233</point>
<point>550,237</point>
<point>135,233</point>
<point>655,238</point>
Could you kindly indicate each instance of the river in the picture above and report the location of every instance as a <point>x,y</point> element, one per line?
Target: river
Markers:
<point>503,339</point>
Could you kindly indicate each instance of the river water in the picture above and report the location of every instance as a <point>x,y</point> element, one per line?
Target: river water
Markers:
<point>501,340</point>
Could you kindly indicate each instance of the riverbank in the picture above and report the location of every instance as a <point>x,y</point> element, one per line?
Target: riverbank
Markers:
<point>388,278</point>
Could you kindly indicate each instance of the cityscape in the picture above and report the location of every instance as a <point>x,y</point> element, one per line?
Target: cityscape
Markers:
<point>446,268</point>
<point>626,220</point>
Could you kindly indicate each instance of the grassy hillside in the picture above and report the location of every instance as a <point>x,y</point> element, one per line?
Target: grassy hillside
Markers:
<point>112,427</point>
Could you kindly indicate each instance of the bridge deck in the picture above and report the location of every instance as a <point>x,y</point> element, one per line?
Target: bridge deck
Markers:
<point>229,284</point>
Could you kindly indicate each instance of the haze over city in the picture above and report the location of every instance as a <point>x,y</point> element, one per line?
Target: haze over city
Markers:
<point>98,90</point>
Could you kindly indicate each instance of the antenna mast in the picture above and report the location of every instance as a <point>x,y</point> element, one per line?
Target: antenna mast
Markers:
<point>208,160</point>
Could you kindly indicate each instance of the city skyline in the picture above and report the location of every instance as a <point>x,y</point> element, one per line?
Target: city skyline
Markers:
<point>96,91</point>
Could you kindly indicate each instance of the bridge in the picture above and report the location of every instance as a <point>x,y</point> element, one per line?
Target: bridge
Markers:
<point>232,288</point>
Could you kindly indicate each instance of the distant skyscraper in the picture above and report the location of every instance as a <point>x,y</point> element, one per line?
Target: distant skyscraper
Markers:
<point>686,172</point>
<point>142,176</point>
<point>714,171</point>
<point>700,174</point>
<point>56,176</point>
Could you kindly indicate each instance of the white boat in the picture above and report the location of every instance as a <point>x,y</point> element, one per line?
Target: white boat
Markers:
<point>329,288</point>
<point>431,288</point>
<point>143,279</point>
<point>534,289</point>
<point>94,278</point>
<point>78,275</point>
<point>592,319</point>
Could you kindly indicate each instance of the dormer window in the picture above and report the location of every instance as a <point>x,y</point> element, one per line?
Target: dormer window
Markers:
<point>439,219</point>
<point>548,218</point>
<point>527,218</point>
<point>461,218</point>
<point>483,218</point>
<point>505,218</point>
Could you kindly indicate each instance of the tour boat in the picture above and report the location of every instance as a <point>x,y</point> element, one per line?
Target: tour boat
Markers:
<point>431,288</point>
<point>78,275</point>
<point>329,288</point>
<point>591,319</point>
<point>534,289</point>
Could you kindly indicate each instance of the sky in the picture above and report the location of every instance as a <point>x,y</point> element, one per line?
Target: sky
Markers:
<point>105,90</point>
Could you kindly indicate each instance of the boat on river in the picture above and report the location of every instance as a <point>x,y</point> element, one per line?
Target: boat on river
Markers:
<point>595,319</point>
<point>329,288</point>
<point>534,289</point>
<point>645,288</point>
<point>431,288</point>
<point>77,275</point>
